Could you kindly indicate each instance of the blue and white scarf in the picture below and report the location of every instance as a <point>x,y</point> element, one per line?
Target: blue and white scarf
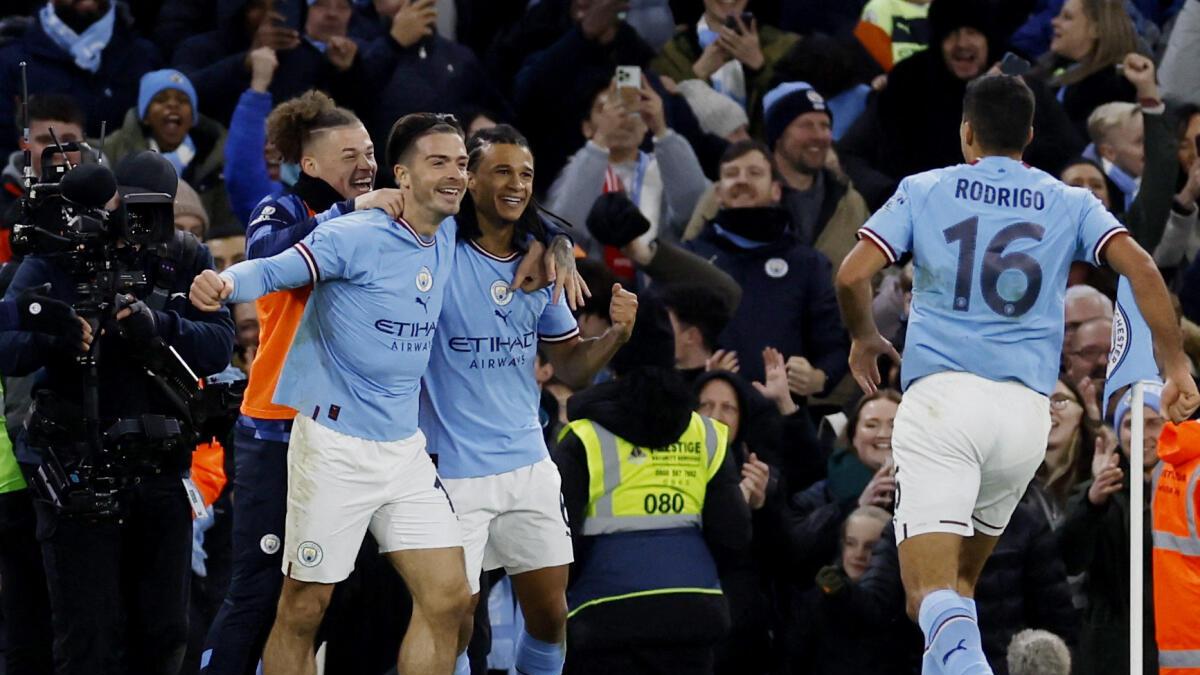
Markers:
<point>180,157</point>
<point>85,48</point>
<point>730,79</point>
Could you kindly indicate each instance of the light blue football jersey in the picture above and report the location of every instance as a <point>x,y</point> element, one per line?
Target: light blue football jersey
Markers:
<point>992,243</point>
<point>479,407</point>
<point>364,341</point>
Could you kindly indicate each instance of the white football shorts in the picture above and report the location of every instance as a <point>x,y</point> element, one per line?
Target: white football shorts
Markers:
<point>965,449</point>
<point>340,486</point>
<point>515,520</point>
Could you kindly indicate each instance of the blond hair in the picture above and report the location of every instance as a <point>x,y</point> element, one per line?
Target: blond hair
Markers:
<point>1109,117</point>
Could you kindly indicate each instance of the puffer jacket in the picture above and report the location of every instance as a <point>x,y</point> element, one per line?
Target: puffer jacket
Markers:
<point>206,171</point>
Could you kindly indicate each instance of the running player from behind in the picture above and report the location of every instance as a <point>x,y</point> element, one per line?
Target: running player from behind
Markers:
<point>992,241</point>
<point>479,408</point>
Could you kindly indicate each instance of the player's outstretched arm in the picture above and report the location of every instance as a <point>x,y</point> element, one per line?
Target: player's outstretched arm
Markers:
<point>854,298</point>
<point>1180,398</point>
<point>252,279</point>
<point>577,361</point>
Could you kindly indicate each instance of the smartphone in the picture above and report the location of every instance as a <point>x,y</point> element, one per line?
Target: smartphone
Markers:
<point>629,83</point>
<point>732,23</point>
<point>1014,65</point>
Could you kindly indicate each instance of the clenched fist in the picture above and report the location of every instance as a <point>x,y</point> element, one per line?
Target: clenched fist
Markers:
<point>209,290</point>
<point>623,310</point>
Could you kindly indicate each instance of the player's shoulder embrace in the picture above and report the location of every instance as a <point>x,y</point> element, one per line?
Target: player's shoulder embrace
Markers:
<point>284,207</point>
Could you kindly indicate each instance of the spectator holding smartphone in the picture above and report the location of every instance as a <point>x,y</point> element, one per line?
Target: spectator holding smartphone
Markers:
<point>728,49</point>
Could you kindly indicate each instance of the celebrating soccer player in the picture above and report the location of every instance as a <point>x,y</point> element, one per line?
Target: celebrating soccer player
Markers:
<point>991,255</point>
<point>480,408</point>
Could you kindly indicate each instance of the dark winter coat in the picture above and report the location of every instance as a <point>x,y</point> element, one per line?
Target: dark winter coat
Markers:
<point>912,125</point>
<point>104,96</point>
<point>1095,539</point>
<point>1023,585</point>
<point>795,312</point>
<point>434,75</point>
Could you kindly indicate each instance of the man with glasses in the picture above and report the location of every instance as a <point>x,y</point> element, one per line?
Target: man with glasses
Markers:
<point>1086,358</point>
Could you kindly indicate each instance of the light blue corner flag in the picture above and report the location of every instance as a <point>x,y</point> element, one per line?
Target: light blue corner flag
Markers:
<point>1132,356</point>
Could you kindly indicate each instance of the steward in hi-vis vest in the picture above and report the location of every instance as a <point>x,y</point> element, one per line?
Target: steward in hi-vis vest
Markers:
<point>655,512</point>
<point>1177,549</point>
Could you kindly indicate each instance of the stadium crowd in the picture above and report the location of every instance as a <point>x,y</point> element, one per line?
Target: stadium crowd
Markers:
<point>718,157</point>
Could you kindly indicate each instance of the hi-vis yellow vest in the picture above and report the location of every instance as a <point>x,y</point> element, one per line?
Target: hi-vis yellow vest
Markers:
<point>636,489</point>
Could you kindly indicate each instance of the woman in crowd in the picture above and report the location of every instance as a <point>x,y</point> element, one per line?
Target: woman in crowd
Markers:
<point>861,473</point>
<point>1090,38</point>
<point>1066,463</point>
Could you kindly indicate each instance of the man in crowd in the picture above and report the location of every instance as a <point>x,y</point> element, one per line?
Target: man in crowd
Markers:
<point>665,184</point>
<point>57,112</point>
<point>85,47</point>
<point>728,48</point>
<point>825,209</point>
<point>321,56</point>
<point>698,315</point>
<point>787,301</point>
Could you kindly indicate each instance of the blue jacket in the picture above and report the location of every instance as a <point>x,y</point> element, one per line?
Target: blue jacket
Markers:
<point>795,311</point>
<point>203,339</point>
<point>246,177</point>
<point>103,96</point>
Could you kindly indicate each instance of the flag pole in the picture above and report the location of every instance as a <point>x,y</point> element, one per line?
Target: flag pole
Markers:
<point>1137,485</point>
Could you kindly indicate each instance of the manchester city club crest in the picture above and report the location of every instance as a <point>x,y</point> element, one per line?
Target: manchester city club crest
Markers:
<point>776,268</point>
<point>310,554</point>
<point>501,295</point>
<point>424,279</point>
<point>269,543</point>
<point>1120,340</point>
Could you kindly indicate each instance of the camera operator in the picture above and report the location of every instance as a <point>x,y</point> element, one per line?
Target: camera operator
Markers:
<point>117,546</point>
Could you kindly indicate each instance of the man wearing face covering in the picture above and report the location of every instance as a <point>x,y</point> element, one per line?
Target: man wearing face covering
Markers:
<point>787,293</point>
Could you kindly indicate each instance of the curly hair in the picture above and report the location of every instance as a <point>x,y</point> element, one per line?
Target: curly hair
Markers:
<point>291,125</point>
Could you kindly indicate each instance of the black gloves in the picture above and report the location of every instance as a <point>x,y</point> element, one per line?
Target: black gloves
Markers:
<point>40,313</point>
<point>139,328</point>
<point>615,220</point>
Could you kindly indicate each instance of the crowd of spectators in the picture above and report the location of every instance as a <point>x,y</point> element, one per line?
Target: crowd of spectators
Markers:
<point>729,180</point>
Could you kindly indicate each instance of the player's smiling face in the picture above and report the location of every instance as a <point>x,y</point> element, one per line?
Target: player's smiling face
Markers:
<point>873,433</point>
<point>502,184</point>
<point>965,52</point>
<point>343,157</point>
<point>439,173</point>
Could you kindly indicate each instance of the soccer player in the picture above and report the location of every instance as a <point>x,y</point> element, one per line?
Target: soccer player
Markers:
<point>992,241</point>
<point>479,410</point>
